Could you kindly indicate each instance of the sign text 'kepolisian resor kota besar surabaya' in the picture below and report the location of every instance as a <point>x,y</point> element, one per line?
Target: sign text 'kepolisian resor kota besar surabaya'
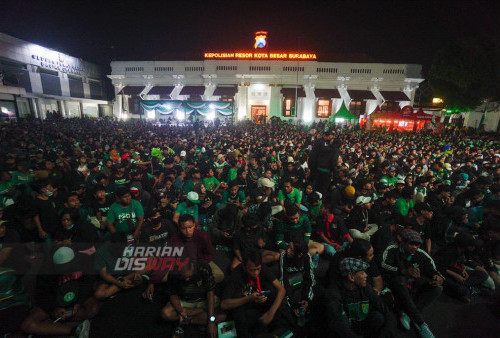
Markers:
<point>260,56</point>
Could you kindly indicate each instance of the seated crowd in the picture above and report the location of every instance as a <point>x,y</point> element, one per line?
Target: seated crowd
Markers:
<point>364,229</point>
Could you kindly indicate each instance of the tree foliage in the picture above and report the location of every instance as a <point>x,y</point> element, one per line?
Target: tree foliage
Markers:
<point>466,72</point>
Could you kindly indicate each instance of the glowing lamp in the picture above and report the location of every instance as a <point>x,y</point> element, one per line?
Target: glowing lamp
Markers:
<point>179,114</point>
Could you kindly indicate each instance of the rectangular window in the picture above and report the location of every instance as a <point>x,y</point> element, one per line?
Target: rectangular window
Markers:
<point>357,107</point>
<point>289,107</point>
<point>324,108</point>
<point>389,106</point>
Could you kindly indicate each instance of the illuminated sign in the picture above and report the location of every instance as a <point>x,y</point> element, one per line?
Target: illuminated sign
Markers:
<point>260,56</point>
<point>260,40</point>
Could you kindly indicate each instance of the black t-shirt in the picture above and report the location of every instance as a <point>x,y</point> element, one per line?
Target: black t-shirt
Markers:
<point>196,288</point>
<point>81,232</point>
<point>424,230</point>
<point>160,236</point>
<point>240,285</point>
<point>102,208</point>
<point>46,210</point>
<point>244,241</point>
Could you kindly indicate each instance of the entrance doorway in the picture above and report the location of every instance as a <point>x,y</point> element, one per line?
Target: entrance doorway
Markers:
<point>259,114</point>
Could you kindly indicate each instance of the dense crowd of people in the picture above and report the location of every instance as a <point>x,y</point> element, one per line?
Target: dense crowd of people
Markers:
<point>394,219</point>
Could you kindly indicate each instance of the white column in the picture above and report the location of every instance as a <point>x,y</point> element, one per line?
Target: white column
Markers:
<point>344,95</point>
<point>38,112</point>
<point>86,90</point>
<point>308,104</point>
<point>117,106</point>
<point>36,82</point>
<point>243,111</point>
<point>175,92</point>
<point>64,84</point>
<point>378,96</point>
<point>209,92</point>
<point>336,104</point>
<point>275,105</point>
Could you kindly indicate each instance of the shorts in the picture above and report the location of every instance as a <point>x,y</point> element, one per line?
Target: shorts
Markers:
<point>199,305</point>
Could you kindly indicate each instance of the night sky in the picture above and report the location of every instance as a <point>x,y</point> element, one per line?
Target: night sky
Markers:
<point>101,31</point>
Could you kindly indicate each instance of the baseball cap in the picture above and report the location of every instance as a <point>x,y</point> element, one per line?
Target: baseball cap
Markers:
<point>363,200</point>
<point>265,182</point>
<point>193,197</point>
<point>134,189</point>
<point>352,265</point>
<point>400,182</point>
<point>63,255</point>
<point>183,153</point>
<point>410,235</point>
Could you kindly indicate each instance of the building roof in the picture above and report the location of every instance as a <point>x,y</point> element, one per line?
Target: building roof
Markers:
<point>360,95</point>
<point>131,90</point>
<point>192,90</point>
<point>161,90</point>
<point>292,92</point>
<point>225,91</point>
<point>394,95</point>
<point>327,93</point>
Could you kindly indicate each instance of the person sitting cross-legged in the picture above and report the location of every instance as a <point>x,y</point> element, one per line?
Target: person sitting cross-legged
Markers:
<point>413,279</point>
<point>353,308</point>
<point>251,236</point>
<point>63,293</point>
<point>297,224</point>
<point>192,297</point>
<point>254,296</point>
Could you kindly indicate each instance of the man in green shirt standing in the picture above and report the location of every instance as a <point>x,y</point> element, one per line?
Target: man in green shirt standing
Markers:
<point>126,214</point>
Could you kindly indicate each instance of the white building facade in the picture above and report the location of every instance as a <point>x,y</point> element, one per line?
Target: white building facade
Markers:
<point>261,89</point>
<point>35,80</point>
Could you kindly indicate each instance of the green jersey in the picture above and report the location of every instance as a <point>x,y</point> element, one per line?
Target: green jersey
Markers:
<point>402,206</point>
<point>122,216</point>
<point>211,183</point>
<point>293,197</point>
<point>183,209</point>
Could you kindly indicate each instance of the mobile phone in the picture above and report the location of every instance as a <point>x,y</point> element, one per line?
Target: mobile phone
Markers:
<point>265,292</point>
<point>68,313</point>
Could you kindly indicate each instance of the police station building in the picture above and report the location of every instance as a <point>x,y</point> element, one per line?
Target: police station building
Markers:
<point>258,85</point>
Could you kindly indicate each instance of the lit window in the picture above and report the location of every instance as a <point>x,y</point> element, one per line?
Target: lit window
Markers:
<point>289,107</point>
<point>324,107</point>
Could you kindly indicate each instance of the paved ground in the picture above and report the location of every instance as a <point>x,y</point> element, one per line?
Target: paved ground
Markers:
<point>127,315</point>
